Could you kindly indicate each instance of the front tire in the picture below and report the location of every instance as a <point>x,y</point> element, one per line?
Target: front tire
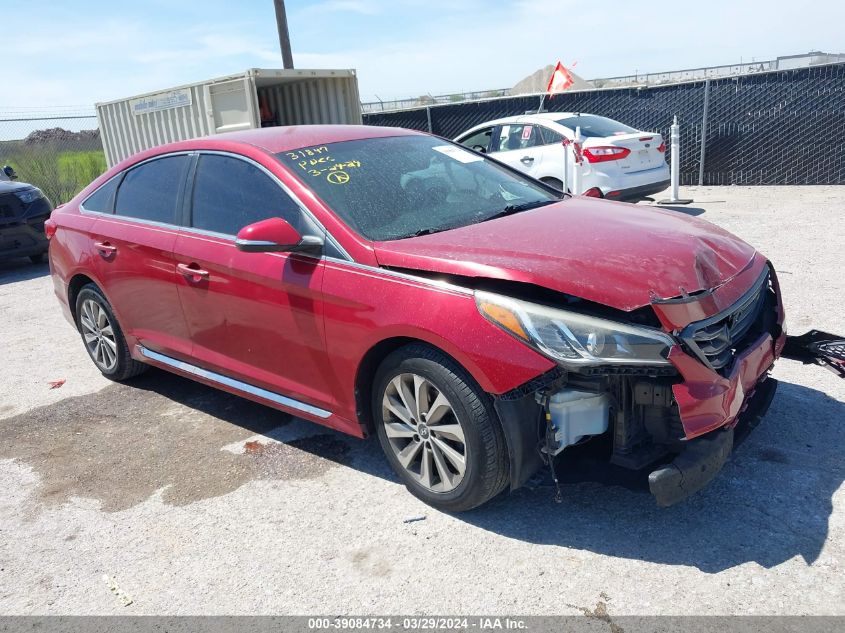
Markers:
<point>438,429</point>
<point>103,337</point>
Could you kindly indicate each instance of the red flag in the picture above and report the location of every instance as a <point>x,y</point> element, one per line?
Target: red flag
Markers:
<point>561,80</point>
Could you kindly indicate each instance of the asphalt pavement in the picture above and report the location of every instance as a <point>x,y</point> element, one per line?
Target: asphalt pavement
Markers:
<point>163,496</point>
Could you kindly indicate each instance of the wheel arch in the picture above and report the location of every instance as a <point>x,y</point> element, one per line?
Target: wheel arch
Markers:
<point>370,363</point>
<point>516,418</point>
<point>366,372</point>
<point>74,286</point>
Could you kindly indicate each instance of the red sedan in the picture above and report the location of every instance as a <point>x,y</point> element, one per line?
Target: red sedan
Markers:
<point>382,281</point>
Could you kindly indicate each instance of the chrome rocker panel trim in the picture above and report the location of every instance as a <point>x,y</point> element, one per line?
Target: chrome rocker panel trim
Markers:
<point>243,387</point>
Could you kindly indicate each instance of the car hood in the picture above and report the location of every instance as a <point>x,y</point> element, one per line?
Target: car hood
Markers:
<point>9,186</point>
<point>617,254</point>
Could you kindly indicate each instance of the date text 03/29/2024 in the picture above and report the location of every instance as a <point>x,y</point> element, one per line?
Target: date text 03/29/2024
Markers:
<point>424,623</point>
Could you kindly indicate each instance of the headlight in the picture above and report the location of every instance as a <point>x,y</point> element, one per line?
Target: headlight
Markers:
<point>572,338</point>
<point>29,195</point>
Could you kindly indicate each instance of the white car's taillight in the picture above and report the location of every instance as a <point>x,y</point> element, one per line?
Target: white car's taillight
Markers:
<point>604,154</point>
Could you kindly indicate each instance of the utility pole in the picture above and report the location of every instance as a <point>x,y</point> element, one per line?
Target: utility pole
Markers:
<point>284,36</point>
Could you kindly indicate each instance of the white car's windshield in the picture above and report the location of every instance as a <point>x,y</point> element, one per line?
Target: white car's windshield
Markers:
<point>402,186</point>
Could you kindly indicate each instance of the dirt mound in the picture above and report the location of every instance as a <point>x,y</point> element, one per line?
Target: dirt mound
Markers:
<point>538,81</point>
<point>60,135</point>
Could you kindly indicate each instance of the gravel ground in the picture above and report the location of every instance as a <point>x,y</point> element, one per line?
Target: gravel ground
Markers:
<point>184,500</point>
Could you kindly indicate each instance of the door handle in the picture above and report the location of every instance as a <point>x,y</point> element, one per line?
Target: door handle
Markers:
<point>527,159</point>
<point>190,271</point>
<point>105,249</point>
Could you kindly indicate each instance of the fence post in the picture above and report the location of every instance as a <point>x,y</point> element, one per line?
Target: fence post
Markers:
<point>428,118</point>
<point>675,165</point>
<point>703,132</point>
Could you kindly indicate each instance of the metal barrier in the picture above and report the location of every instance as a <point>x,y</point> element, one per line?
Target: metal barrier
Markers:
<point>772,128</point>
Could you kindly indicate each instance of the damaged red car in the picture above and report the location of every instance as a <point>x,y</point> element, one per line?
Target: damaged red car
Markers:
<point>385,282</point>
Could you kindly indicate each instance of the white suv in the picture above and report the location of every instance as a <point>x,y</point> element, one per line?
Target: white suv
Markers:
<point>619,162</point>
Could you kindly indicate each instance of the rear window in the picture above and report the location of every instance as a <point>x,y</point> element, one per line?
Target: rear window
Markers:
<point>595,126</point>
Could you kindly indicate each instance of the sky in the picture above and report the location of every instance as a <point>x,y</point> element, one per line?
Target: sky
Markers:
<point>65,56</point>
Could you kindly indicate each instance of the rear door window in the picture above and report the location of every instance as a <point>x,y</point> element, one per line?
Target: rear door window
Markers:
<point>512,137</point>
<point>151,190</point>
<point>230,193</point>
<point>550,137</point>
<point>102,200</point>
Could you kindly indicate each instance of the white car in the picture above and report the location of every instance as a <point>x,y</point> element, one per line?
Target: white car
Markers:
<point>619,162</point>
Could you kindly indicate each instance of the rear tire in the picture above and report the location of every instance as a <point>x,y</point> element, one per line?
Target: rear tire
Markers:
<point>438,429</point>
<point>102,336</point>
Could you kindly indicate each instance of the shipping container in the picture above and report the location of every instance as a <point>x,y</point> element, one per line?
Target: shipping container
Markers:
<point>254,98</point>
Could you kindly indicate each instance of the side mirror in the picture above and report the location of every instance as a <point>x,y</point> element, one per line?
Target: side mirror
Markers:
<point>275,235</point>
<point>10,172</point>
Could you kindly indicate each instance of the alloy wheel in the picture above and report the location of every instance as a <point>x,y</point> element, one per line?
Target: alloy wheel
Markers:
<point>424,432</point>
<point>99,335</point>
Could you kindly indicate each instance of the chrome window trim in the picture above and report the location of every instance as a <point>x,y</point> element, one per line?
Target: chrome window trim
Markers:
<point>189,229</point>
<point>234,384</point>
<point>123,172</point>
<point>153,223</point>
<point>223,236</point>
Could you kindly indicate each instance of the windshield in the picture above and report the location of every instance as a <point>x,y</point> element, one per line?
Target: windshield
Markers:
<point>400,186</point>
<point>595,126</point>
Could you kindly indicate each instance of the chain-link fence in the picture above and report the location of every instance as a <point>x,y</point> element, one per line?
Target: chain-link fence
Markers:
<point>774,128</point>
<point>428,100</point>
<point>777,128</point>
<point>59,155</point>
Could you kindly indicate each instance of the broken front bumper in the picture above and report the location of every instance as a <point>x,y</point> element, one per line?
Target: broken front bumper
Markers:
<point>705,456</point>
<point>708,401</point>
<point>820,348</point>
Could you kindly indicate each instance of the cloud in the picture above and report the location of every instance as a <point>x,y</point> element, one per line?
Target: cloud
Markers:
<point>207,47</point>
<point>101,59</point>
<point>453,47</point>
<point>401,48</point>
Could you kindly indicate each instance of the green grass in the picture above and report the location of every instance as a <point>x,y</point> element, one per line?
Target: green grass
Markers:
<point>60,174</point>
<point>71,163</point>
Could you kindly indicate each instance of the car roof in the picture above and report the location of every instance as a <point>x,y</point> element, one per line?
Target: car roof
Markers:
<point>543,117</point>
<point>551,116</point>
<point>269,139</point>
<point>290,137</point>
<point>8,186</point>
